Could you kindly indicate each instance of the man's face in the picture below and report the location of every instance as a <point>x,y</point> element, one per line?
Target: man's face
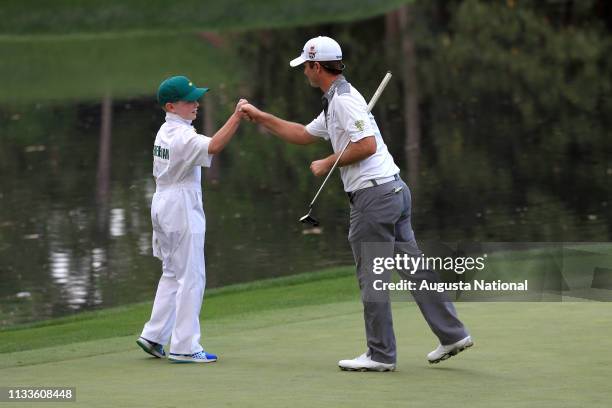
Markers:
<point>186,110</point>
<point>312,73</point>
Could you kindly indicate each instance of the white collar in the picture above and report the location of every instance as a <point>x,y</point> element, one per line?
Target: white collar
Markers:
<point>176,118</point>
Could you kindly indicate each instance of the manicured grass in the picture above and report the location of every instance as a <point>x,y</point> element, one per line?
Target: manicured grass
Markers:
<point>526,355</point>
<point>101,16</point>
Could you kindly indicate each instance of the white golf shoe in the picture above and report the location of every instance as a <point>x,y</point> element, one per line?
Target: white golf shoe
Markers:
<point>364,363</point>
<point>443,352</point>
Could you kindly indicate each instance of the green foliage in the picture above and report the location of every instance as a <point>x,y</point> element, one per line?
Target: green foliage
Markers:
<point>512,100</point>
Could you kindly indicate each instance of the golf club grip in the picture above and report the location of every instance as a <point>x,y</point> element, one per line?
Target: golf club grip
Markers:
<point>379,91</point>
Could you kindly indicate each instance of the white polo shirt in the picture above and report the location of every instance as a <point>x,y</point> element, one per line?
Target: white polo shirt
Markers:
<point>348,118</point>
<point>178,153</point>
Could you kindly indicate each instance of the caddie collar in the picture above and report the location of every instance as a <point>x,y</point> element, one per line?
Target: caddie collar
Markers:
<point>173,117</point>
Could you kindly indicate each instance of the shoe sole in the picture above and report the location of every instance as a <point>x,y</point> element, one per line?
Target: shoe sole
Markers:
<point>452,353</point>
<point>172,360</point>
<point>187,360</point>
<point>149,350</point>
<point>363,369</point>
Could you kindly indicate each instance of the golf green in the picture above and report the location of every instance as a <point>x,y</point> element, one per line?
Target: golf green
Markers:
<point>525,354</point>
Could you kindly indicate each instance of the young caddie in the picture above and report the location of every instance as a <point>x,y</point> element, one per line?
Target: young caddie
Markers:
<point>179,222</point>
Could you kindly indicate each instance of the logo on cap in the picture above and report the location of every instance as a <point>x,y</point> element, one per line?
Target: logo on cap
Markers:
<point>312,53</point>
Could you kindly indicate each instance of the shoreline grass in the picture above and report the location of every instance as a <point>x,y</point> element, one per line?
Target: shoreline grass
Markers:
<point>41,17</point>
<point>326,286</point>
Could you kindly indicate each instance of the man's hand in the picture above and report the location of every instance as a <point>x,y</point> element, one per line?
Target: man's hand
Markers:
<point>353,153</point>
<point>322,167</point>
<point>251,113</point>
<point>239,105</point>
<point>289,131</point>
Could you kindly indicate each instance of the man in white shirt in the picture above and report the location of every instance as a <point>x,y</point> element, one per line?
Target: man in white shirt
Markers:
<point>380,200</point>
<point>179,223</point>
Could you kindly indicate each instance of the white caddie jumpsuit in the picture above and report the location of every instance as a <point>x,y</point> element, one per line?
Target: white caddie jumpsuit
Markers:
<point>179,225</point>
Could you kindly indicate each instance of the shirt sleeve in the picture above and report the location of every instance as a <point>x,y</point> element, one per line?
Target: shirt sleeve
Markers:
<point>195,150</point>
<point>354,117</point>
<point>318,127</point>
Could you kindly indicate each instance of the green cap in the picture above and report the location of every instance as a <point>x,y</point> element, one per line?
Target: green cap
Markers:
<point>178,88</point>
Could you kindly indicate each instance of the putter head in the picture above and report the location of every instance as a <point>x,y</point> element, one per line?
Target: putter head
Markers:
<point>310,220</point>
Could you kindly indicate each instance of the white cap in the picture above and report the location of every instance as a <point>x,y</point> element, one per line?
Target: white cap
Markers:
<point>319,49</point>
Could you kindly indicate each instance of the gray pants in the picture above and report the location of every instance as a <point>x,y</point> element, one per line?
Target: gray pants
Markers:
<point>378,214</point>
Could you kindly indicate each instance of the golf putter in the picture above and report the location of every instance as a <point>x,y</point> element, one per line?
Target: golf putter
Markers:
<point>308,218</point>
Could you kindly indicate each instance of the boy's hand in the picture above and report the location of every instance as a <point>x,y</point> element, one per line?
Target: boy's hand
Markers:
<point>250,112</point>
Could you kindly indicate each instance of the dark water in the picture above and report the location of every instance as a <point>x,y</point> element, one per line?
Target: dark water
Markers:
<point>75,230</point>
<point>73,239</point>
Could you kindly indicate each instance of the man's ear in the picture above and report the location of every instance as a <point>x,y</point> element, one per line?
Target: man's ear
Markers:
<point>169,107</point>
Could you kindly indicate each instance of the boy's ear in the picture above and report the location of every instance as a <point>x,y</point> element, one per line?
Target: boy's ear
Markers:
<point>169,107</point>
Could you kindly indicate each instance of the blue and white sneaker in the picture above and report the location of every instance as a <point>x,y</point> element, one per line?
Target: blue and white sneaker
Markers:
<point>154,349</point>
<point>200,357</point>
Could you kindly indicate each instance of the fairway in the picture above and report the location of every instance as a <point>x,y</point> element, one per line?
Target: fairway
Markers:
<point>525,354</point>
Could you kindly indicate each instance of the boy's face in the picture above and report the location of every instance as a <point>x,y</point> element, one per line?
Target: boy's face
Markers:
<point>186,110</point>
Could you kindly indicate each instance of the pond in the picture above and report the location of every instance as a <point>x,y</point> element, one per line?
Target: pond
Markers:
<point>76,184</point>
